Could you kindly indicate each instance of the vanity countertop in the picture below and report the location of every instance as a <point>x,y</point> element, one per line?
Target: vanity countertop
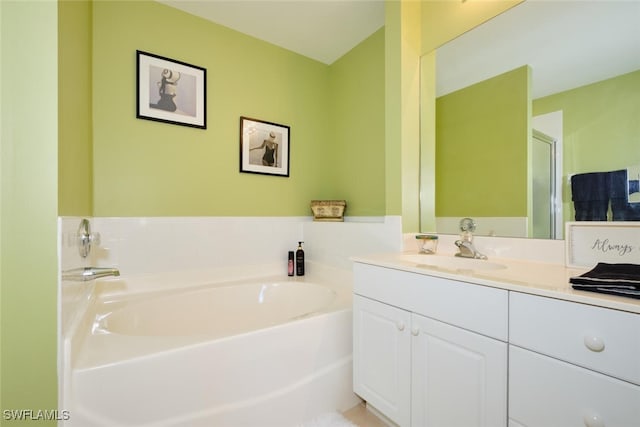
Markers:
<point>537,278</point>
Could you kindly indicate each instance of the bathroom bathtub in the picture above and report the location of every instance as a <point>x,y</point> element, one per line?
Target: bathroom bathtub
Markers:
<point>273,351</point>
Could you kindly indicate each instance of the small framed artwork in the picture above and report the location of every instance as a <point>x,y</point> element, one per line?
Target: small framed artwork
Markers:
<point>264,147</point>
<point>170,91</point>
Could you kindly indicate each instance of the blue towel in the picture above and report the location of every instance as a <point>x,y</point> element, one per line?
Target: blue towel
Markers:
<point>590,195</point>
<point>619,191</point>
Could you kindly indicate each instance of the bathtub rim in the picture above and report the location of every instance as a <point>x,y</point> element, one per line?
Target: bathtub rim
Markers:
<point>94,350</point>
<point>115,308</point>
<point>144,284</point>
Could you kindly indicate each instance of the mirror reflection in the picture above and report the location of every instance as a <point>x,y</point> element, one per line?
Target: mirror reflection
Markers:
<point>539,101</point>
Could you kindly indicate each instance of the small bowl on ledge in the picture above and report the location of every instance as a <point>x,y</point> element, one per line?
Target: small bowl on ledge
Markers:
<point>427,243</point>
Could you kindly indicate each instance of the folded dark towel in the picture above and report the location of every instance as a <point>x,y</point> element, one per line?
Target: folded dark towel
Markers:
<point>630,293</point>
<point>614,279</point>
<point>604,274</point>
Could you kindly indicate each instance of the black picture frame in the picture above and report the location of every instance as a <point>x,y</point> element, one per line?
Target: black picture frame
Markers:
<point>264,147</point>
<point>170,91</point>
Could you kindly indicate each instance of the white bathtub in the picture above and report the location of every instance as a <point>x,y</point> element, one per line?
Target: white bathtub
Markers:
<point>261,352</point>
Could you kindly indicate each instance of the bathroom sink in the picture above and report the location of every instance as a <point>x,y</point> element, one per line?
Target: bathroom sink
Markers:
<point>452,262</point>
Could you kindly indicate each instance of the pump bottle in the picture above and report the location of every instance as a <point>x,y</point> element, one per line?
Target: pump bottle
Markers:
<point>300,260</point>
<point>290,264</point>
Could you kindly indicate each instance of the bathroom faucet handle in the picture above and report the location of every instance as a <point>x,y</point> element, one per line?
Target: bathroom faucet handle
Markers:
<point>86,238</point>
<point>467,224</point>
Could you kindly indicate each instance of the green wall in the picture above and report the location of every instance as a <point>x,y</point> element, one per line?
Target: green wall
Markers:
<point>402,111</point>
<point>600,127</point>
<point>28,207</point>
<point>87,154</point>
<point>144,168</point>
<point>356,171</point>
<point>441,21</point>
<point>393,110</point>
<point>481,152</point>
<point>75,180</point>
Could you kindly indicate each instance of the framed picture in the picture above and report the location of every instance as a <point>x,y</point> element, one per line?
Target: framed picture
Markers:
<point>264,147</point>
<point>170,91</point>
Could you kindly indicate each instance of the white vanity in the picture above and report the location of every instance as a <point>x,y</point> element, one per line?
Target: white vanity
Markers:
<point>510,344</point>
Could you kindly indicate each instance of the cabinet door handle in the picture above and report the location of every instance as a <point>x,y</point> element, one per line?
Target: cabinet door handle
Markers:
<point>400,325</point>
<point>594,343</point>
<point>593,420</point>
<point>415,332</point>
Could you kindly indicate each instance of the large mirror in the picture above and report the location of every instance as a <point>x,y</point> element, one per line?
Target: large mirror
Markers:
<point>541,93</point>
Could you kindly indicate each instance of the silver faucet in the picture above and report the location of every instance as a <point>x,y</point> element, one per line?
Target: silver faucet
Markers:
<point>465,244</point>
<point>84,274</point>
<point>467,250</point>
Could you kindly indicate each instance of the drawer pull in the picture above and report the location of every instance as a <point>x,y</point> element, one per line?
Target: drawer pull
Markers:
<point>594,343</point>
<point>593,420</point>
<point>400,325</point>
<point>415,332</point>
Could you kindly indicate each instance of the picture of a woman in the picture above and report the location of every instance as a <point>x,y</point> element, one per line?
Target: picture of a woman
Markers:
<point>270,157</point>
<point>167,90</point>
<point>264,147</point>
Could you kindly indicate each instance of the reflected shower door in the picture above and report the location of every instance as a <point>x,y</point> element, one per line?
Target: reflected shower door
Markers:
<point>543,151</point>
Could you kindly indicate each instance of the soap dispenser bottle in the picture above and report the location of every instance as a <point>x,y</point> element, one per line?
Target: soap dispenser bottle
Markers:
<point>300,260</point>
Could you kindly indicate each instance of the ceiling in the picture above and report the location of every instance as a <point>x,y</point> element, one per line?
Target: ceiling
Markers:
<point>323,30</point>
<point>568,32</point>
<point>568,44</point>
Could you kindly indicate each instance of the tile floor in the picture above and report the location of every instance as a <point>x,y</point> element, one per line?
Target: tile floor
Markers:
<point>360,416</point>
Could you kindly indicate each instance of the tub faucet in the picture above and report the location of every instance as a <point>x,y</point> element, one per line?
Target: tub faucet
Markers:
<point>465,244</point>
<point>84,274</point>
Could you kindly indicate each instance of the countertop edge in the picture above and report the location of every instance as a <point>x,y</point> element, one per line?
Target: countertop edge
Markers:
<point>560,288</point>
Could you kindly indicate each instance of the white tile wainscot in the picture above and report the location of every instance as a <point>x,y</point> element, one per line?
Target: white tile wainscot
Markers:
<point>514,346</point>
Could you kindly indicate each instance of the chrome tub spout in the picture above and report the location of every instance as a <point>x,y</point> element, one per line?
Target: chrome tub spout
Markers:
<point>89,273</point>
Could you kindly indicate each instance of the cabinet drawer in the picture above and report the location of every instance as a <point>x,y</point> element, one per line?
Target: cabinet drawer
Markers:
<point>477,308</point>
<point>551,393</point>
<point>602,339</point>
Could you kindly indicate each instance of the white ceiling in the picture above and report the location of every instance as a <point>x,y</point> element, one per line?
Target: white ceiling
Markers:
<point>568,44</point>
<point>323,30</point>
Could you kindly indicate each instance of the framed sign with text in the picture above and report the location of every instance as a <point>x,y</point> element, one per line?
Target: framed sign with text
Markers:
<point>590,242</point>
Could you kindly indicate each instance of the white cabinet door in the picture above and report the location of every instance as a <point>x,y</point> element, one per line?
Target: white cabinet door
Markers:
<point>382,358</point>
<point>459,378</point>
<point>551,393</point>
